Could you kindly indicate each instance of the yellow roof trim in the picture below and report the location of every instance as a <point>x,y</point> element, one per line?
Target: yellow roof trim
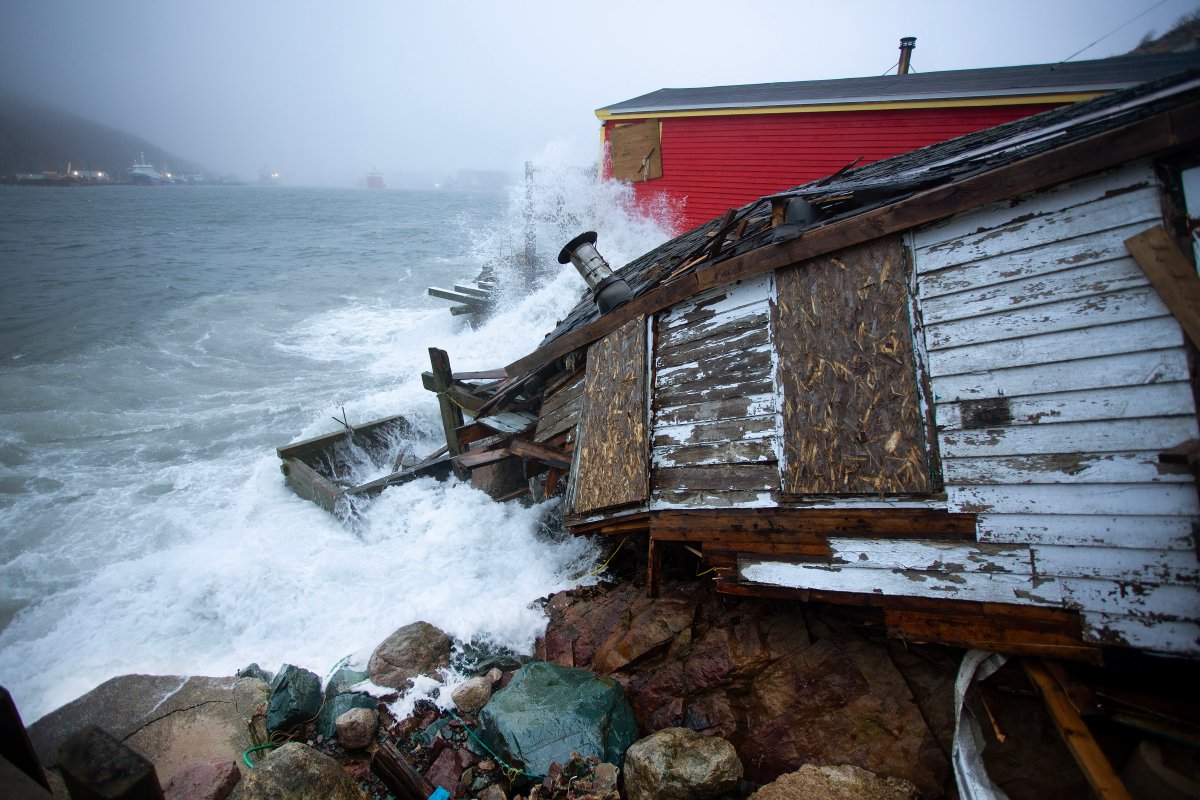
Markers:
<point>964,102</point>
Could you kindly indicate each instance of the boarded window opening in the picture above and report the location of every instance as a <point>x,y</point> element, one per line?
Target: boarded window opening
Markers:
<point>851,412</point>
<point>635,151</point>
<point>612,453</point>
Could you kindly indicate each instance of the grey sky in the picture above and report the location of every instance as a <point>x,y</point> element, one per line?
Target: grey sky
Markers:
<point>323,91</point>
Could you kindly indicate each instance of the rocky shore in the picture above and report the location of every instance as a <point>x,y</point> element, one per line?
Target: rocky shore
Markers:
<point>688,695</point>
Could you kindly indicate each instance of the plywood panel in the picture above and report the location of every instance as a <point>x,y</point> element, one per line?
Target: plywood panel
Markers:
<point>635,151</point>
<point>851,414</point>
<point>612,452</point>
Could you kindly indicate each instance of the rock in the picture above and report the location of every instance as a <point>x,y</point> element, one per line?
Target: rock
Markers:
<point>295,698</point>
<point>297,772</point>
<point>604,779</point>
<point>172,720</point>
<point>446,771</point>
<point>208,780</point>
<point>255,671</point>
<point>786,685</point>
<point>471,696</point>
<point>845,782</point>
<point>547,711</point>
<point>416,649</point>
<point>493,792</point>
<point>680,764</point>
<point>338,705</point>
<point>356,728</point>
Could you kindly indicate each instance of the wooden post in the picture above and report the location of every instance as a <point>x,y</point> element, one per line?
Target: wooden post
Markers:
<point>395,771</point>
<point>1087,753</point>
<point>14,741</point>
<point>96,766</point>
<point>530,235</point>
<point>452,416</point>
<point>1172,274</point>
<point>653,566</point>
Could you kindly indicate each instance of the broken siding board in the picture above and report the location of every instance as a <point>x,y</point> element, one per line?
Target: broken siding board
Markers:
<point>850,404</point>
<point>719,430</point>
<point>1102,436</point>
<point>562,419</point>
<point>976,586</point>
<point>714,302</point>
<point>1164,636</point>
<point>726,387</point>
<point>1089,530</point>
<point>751,317</point>
<point>717,367</point>
<point>1065,468</point>
<point>1102,309</point>
<point>1129,369</point>
<point>612,450</point>
<point>719,477</point>
<point>930,556</point>
<point>1148,601</point>
<point>878,521</point>
<point>667,500</point>
<point>749,405</point>
<point>1095,202</point>
<point>736,452</point>
<point>750,338</point>
<point>942,276</point>
<point>1116,564</point>
<point>1106,277</point>
<point>1122,499</point>
<point>1123,402</point>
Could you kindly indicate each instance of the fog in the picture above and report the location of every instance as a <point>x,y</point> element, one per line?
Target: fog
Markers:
<point>324,91</point>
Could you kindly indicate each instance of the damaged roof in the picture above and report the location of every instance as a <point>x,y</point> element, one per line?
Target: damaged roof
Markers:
<point>1102,75</point>
<point>855,191</point>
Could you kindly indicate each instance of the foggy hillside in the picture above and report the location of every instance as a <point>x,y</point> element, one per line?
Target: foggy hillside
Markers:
<point>36,137</point>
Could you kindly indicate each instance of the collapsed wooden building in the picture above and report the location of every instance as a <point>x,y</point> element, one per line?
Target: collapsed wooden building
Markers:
<point>956,386</point>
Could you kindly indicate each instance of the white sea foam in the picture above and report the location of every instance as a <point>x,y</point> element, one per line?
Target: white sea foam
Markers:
<point>144,524</point>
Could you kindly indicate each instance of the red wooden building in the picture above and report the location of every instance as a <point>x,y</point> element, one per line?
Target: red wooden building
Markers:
<point>713,148</point>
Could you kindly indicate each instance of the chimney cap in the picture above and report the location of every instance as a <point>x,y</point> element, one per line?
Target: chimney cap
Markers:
<point>908,41</point>
<point>564,255</point>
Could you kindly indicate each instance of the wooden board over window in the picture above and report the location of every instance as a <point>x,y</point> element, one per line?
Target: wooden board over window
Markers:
<point>635,151</point>
<point>851,414</point>
<point>611,452</point>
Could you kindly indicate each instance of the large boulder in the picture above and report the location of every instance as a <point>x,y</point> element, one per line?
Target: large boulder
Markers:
<point>174,721</point>
<point>356,728</point>
<point>549,711</point>
<point>295,698</point>
<point>785,684</point>
<point>680,764</point>
<point>297,772</point>
<point>416,649</point>
<point>845,782</point>
<point>472,695</point>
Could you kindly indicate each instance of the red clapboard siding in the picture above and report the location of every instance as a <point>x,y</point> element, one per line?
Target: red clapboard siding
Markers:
<point>712,163</point>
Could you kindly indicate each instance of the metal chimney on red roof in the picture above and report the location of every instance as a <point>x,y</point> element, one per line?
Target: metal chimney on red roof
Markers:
<point>907,45</point>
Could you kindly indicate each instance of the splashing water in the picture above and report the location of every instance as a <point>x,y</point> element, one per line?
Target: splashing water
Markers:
<point>159,344</point>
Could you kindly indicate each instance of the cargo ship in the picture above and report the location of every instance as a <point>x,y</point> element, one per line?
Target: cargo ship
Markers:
<point>375,179</point>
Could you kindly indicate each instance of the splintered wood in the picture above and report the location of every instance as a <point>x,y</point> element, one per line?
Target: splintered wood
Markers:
<point>851,415</point>
<point>635,152</point>
<point>612,454</point>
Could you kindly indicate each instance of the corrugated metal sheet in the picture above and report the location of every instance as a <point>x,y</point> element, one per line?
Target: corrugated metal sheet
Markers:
<point>714,163</point>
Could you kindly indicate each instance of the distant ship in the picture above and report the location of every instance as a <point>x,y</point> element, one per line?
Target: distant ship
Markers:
<point>144,173</point>
<point>268,177</point>
<point>375,179</point>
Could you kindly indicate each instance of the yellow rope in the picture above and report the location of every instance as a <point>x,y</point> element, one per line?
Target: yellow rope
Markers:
<point>609,561</point>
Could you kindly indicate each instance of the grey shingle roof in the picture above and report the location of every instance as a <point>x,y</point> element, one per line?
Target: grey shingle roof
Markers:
<point>1078,76</point>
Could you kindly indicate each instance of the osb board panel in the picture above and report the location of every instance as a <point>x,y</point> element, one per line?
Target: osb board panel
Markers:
<point>612,461</point>
<point>851,413</point>
<point>635,151</point>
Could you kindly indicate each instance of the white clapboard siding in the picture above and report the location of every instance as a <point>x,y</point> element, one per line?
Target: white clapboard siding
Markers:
<point>1121,402</point>
<point>1035,307</point>
<point>990,587</point>
<point>711,351</point>
<point>1088,530</point>
<point>927,556</point>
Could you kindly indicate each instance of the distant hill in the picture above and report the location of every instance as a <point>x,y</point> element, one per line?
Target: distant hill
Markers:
<point>35,137</point>
<point>1182,36</point>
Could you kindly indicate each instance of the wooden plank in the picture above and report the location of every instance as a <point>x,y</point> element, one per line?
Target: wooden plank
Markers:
<point>851,412</point>
<point>390,765</point>
<point>1173,275</point>
<point>561,419</point>
<point>1129,499</point>
<point>1166,131</point>
<point>1137,467</point>
<point>666,499</point>
<point>1074,438</point>
<point>1089,530</point>
<point>823,522</point>
<point>722,387</point>
<point>1102,278</point>
<point>947,273</point>
<point>1129,369</point>
<point>736,477</point>
<point>1124,564</point>
<point>1105,309</point>
<point>1079,740</point>
<point>719,367</point>
<point>748,405</point>
<point>755,316</point>
<point>716,303</point>
<point>538,452</point>
<point>930,556</point>
<point>699,350</point>
<point>1161,636</point>
<point>482,458</point>
<point>714,432</point>
<point>452,416</point>
<point>458,297</point>
<point>311,485</point>
<point>612,446</point>
<point>729,452</point>
<point>1121,402</point>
